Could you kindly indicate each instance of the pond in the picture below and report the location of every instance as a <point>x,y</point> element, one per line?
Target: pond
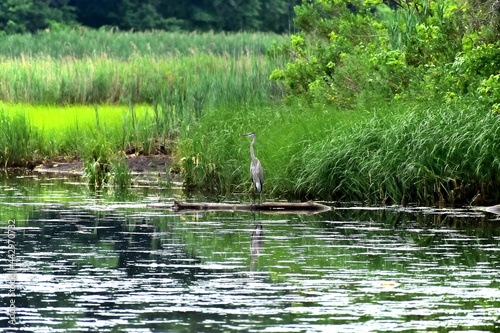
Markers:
<point>106,262</point>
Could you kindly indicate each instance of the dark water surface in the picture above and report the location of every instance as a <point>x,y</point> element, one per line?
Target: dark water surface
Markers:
<point>107,263</point>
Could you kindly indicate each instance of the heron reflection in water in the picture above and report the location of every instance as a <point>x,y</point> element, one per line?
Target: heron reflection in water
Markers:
<point>255,167</point>
<point>256,242</point>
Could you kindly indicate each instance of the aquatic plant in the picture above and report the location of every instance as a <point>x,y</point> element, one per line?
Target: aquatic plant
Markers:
<point>213,156</point>
<point>121,177</point>
<point>97,161</point>
<point>185,85</point>
<point>442,154</point>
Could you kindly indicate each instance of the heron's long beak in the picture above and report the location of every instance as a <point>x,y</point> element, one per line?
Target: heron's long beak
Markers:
<point>248,134</point>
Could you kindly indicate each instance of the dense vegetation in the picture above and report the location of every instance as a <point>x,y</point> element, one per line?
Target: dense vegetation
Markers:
<point>21,16</point>
<point>66,94</point>
<point>395,102</point>
<point>87,67</point>
<point>84,43</point>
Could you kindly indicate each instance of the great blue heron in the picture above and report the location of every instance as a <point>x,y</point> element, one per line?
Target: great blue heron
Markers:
<point>255,167</point>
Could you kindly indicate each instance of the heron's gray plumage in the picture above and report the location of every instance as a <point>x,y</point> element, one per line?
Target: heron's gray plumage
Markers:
<point>255,167</point>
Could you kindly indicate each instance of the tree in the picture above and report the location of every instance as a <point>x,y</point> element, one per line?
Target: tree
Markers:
<point>98,13</point>
<point>21,16</point>
<point>278,15</point>
<point>347,50</point>
<point>232,15</point>
<point>18,16</point>
<point>217,15</point>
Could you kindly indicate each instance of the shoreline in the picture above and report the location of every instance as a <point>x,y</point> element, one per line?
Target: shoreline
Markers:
<point>139,165</point>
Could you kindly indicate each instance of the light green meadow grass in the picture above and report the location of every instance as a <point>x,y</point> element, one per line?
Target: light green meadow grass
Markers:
<point>72,130</point>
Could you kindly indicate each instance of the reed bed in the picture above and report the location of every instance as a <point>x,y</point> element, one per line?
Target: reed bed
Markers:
<point>447,154</point>
<point>183,82</point>
<point>16,139</point>
<point>91,94</point>
<point>216,158</point>
<point>112,43</point>
<point>98,101</point>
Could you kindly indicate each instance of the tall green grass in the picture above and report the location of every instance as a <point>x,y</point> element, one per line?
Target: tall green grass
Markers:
<point>215,157</point>
<point>82,43</point>
<point>97,103</point>
<point>184,83</point>
<point>441,154</point>
<point>161,84</point>
<point>393,153</point>
<point>17,139</point>
<point>183,70</point>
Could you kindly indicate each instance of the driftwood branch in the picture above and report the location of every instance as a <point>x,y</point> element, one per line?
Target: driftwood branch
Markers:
<point>269,207</point>
<point>493,209</point>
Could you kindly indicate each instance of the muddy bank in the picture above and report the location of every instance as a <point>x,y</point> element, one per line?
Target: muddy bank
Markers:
<point>140,164</point>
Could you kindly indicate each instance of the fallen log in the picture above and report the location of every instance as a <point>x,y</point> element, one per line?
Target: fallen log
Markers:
<point>270,207</point>
<point>493,209</point>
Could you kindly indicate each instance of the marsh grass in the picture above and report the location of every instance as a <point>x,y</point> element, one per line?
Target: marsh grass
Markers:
<point>121,175</point>
<point>216,158</point>
<point>96,102</point>
<point>59,89</point>
<point>444,154</point>
<point>181,83</point>
<point>409,156</point>
<point>397,153</point>
<point>17,140</point>
<point>96,134</point>
<point>84,43</point>
<point>110,168</point>
<point>91,94</point>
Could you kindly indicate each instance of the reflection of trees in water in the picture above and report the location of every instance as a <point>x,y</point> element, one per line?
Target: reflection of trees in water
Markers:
<point>78,246</point>
<point>132,243</point>
<point>453,237</point>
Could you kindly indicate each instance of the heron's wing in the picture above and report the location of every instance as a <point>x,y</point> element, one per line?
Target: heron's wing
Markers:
<point>261,172</point>
<point>257,174</point>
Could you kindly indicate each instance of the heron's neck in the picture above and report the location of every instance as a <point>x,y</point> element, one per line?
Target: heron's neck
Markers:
<point>251,149</point>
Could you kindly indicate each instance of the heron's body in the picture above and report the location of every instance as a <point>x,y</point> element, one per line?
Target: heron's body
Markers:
<point>257,175</point>
<point>255,167</point>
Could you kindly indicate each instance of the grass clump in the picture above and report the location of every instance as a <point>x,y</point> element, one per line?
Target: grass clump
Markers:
<point>109,168</point>
<point>444,154</point>
<point>17,140</point>
<point>121,175</point>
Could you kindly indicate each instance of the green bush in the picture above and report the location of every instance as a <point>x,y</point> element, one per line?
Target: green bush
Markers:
<point>490,92</point>
<point>351,51</point>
